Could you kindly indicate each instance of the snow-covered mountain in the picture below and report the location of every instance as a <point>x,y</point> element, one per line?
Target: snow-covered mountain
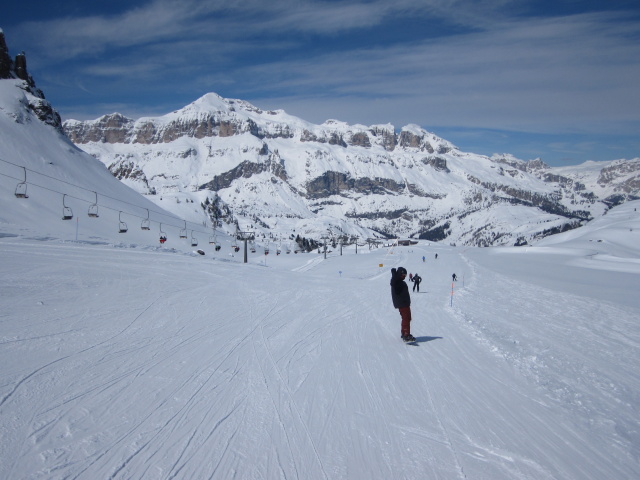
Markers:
<point>226,162</point>
<point>281,175</point>
<point>123,358</point>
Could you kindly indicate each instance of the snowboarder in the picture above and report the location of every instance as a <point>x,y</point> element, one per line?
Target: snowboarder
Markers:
<point>402,301</point>
<point>423,258</point>
<point>454,277</point>
<point>416,282</point>
<point>436,256</point>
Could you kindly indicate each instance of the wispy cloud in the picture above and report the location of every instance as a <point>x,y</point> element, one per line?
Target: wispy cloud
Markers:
<point>540,74</point>
<point>166,20</point>
<point>491,64</point>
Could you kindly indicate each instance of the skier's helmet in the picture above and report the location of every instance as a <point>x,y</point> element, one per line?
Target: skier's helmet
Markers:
<point>402,271</point>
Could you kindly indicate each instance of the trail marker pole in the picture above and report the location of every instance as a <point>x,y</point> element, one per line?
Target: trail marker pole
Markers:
<point>452,294</point>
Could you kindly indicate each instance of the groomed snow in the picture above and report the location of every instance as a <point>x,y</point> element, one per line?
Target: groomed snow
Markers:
<point>137,362</point>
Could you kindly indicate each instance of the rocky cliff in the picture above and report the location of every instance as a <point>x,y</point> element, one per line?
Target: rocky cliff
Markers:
<point>283,174</point>
<point>17,69</point>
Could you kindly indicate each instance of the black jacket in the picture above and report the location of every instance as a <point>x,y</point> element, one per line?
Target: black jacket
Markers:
<point>399,291</point>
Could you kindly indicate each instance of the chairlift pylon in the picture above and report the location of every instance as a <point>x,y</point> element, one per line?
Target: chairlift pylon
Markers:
<point>122,227</point>
<point>93,208</point>
<point>67,213</point>
<point>146,223</point>
<point>21,188</point>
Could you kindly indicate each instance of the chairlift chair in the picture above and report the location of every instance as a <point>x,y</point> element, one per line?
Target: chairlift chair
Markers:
<point>67,213</point>
<point>163,236</point>
<point>146,224</point>
<point>93,208</point>
<point>194,240</point>
<point>183,232</point>
<point>122,227</point>
<point>21,188</point>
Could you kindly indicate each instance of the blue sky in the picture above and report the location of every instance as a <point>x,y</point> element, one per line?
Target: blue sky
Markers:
<point>551,79</point>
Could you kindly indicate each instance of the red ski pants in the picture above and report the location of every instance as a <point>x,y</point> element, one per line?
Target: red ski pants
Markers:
<point>405,326</point>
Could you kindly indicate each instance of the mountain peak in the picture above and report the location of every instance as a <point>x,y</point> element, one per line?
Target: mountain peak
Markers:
<point>285,174</point>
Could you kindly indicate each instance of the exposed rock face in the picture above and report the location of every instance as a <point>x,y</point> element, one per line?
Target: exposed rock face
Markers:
<point>336,183</point>
<point>361,139</point>
<point>438,163</point>
<point>629,171</point>
<point>18,70</point>
<point>21,67</point>
<point>147,132</point>
<point>411,140</point>
<point>126,169</point>
<point>388,136</point>
<point>6,64</point>
<point>109,129</point>
<point>244,170</point>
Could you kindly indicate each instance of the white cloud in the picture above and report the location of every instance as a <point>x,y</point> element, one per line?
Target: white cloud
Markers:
<point>571,73</point>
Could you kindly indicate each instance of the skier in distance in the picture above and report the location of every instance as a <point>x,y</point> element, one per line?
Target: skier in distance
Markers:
<point>416,282</point>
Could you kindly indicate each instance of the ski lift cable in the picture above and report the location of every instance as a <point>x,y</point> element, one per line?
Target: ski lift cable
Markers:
<point>164,214</point>
<point>102,205</point>
<point>77,186</point>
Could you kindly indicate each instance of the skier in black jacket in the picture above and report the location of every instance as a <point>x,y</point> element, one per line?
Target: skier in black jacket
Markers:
<point>416,282</point>
<point>402,301</point>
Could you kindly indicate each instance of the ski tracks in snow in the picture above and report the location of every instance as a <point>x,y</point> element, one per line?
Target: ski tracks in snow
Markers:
<point>290,419</point>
